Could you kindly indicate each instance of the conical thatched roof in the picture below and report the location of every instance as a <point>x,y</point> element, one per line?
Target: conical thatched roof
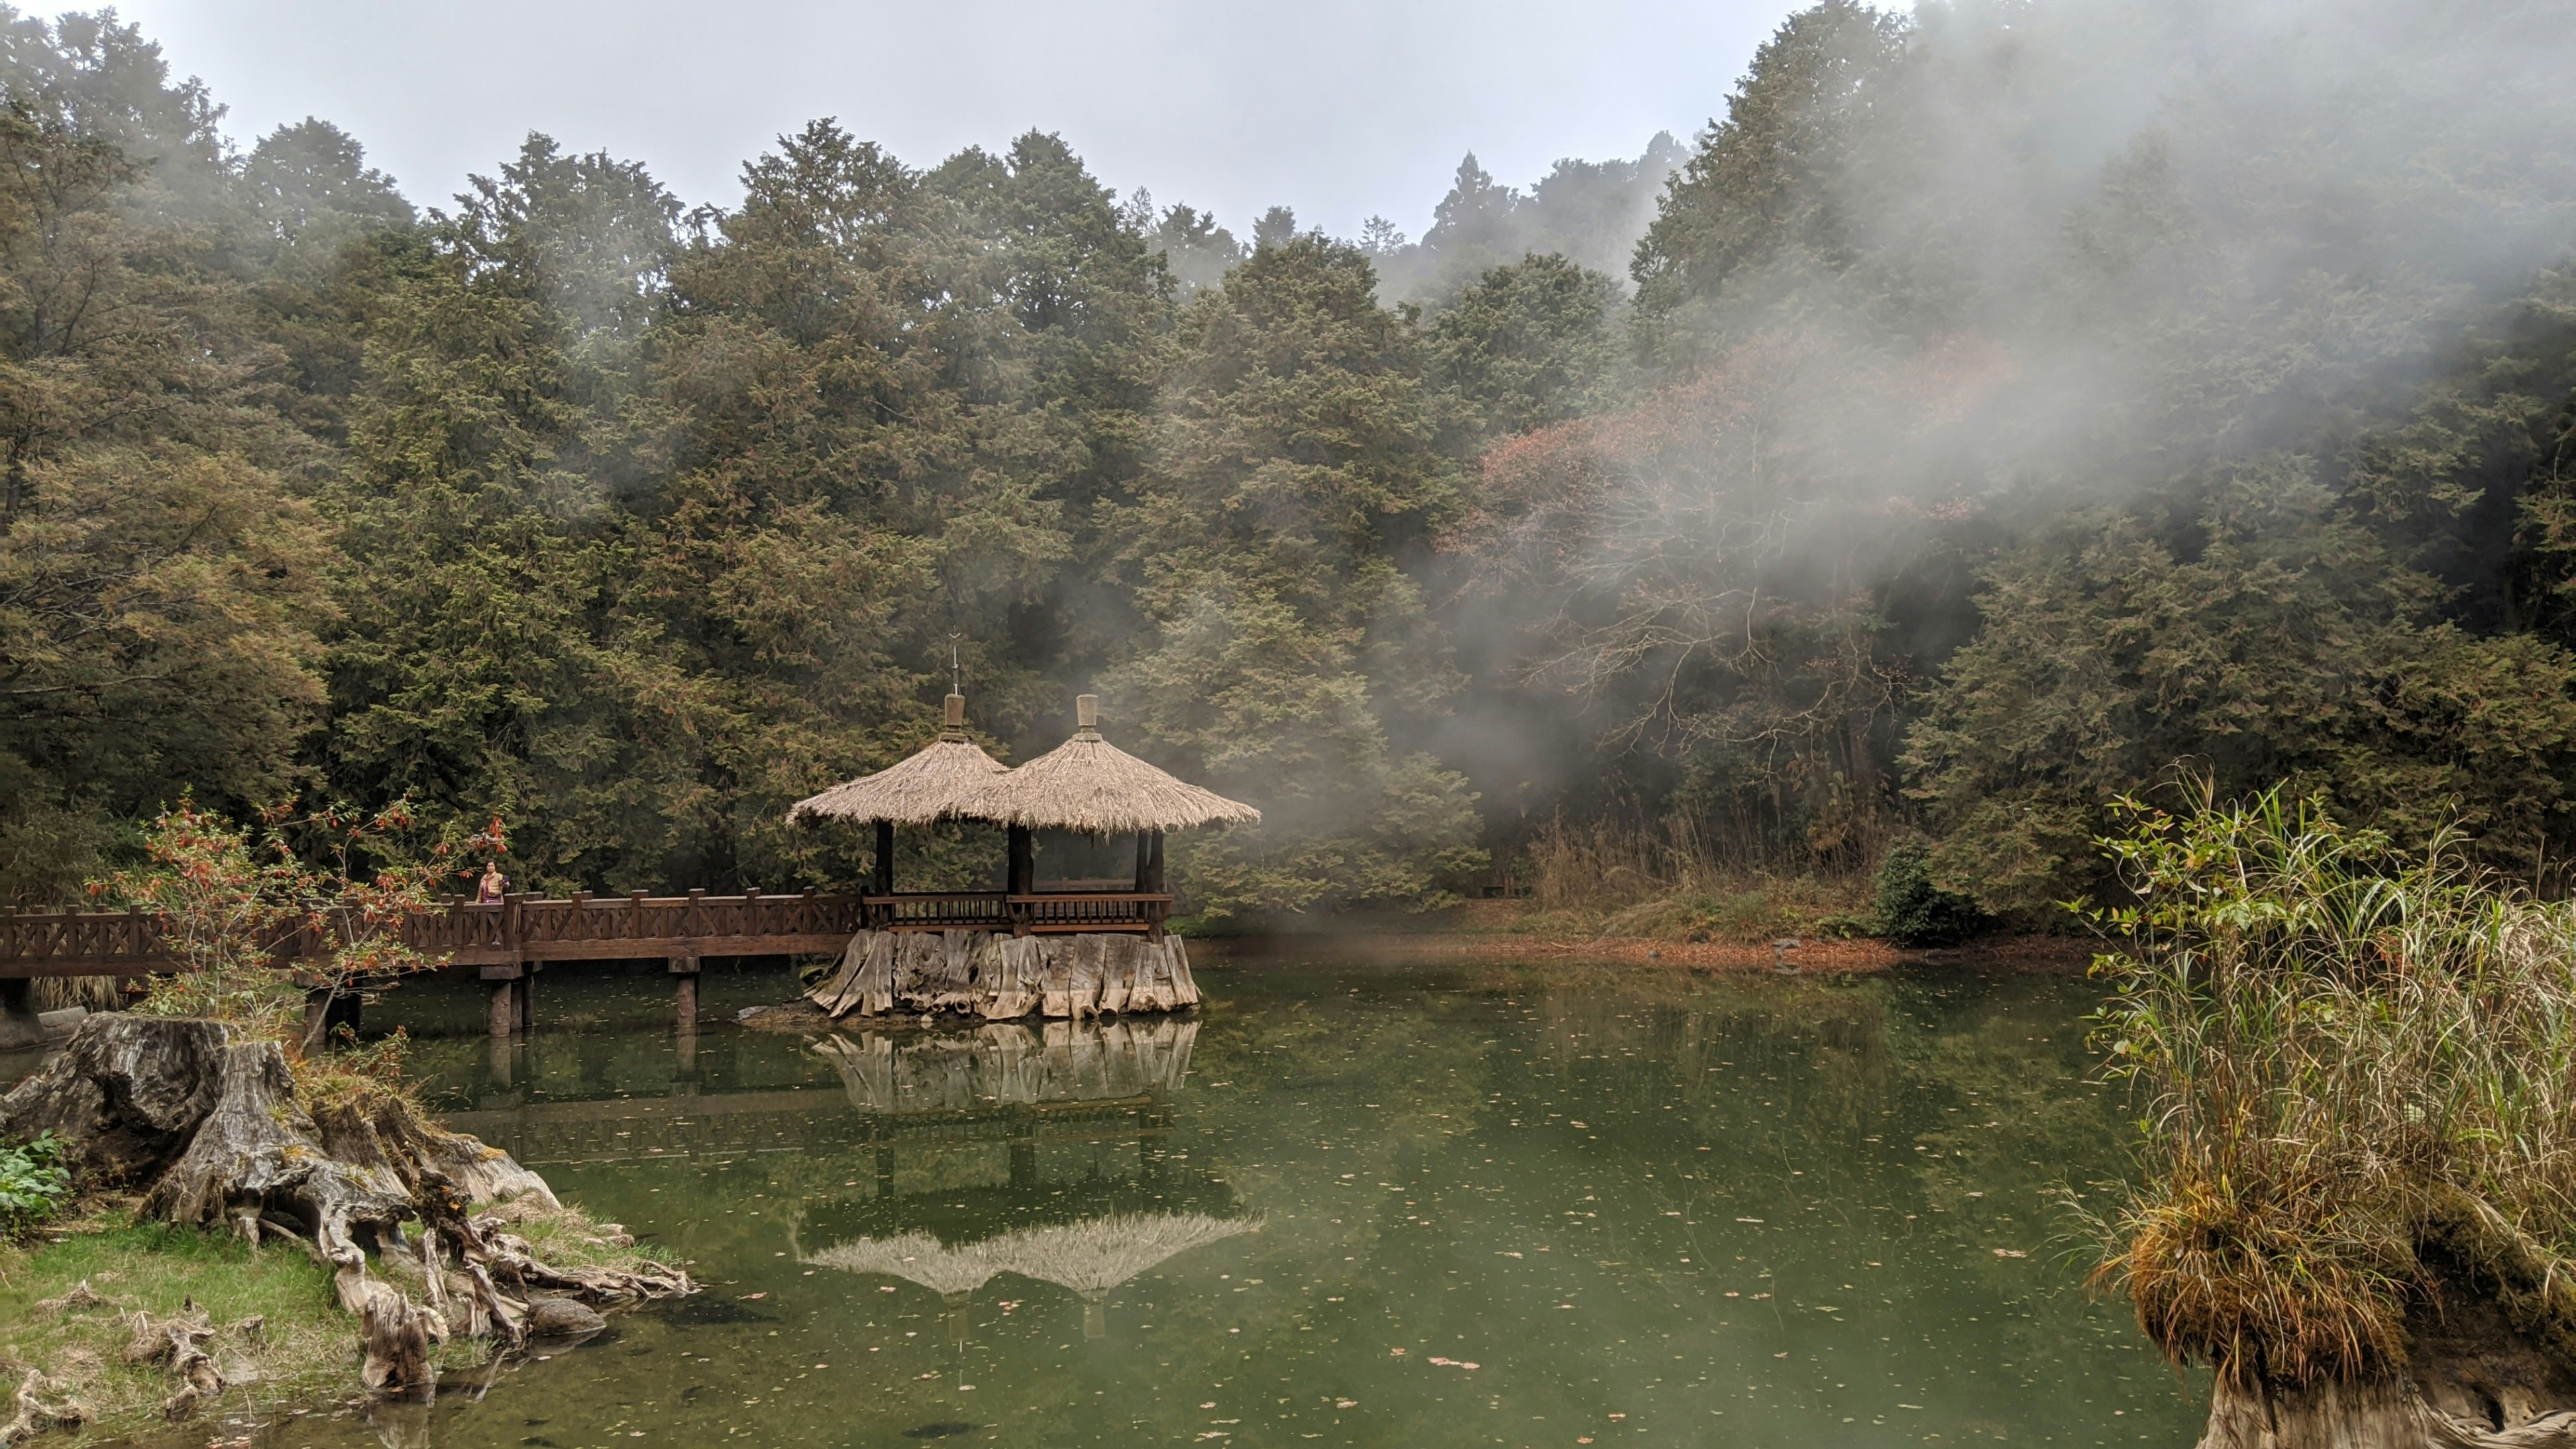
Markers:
<point>1091,785</point>
<point>925,786</point>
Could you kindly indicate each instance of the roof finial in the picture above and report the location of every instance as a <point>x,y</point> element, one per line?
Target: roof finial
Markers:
<point>1086,714</point>
<point>955,722</point>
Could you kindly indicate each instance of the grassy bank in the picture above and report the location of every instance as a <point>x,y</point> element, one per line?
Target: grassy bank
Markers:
<point>302,1350</point>
<point>1745,910</point>
<point>1627,882</point>
<point>2357,1069</point>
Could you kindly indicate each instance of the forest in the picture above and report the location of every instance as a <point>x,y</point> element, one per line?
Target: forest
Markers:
<point>2003,406</point>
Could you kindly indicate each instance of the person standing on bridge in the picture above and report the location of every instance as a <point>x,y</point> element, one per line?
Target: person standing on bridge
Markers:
<point>494,885</point>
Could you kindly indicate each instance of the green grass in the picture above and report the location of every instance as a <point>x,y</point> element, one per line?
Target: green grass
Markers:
<point>307,1348</point>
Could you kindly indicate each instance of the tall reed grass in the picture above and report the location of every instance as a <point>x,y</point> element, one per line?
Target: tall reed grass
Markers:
<point>1672,881</point>
<point>1609,863</point>
<point>2358,1069</point>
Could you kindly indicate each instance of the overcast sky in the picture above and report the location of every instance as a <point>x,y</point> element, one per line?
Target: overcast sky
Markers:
<point>1339,108</point>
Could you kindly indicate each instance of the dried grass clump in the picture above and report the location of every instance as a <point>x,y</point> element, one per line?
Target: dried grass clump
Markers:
<point>2360,1071</point>
<point>1671,882</point>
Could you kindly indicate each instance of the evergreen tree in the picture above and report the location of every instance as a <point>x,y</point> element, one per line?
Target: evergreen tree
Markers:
<point>1291,655</point>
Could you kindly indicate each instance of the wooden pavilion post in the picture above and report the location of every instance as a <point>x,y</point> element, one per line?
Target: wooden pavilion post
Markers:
<point>1149,878</point>
<point>1022,879</point>
<point>884,883</point>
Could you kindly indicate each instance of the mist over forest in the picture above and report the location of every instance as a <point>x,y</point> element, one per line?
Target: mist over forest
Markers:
<point>2001,407</point>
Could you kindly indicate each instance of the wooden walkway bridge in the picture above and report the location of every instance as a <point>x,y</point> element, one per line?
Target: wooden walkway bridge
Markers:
<point>509,941</point>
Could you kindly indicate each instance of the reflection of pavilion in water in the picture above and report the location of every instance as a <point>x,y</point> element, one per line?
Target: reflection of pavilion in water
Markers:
<point>1091,1257</point>
<point>1035,1150</point>
<point>1000,1093</point>
<point>1053,1209</point>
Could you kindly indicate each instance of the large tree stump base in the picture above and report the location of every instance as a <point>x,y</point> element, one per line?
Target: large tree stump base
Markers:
<point>207,1124</point>
<point>1004,978</point>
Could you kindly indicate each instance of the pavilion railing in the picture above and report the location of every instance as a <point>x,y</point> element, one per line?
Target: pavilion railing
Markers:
<point>1091,911</point>
<point>940,911</point>
<point>1039,911</point>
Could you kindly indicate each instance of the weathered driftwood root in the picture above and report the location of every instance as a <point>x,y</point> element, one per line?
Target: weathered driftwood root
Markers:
<point>36,1416</point>
<point>178,1345</point>
<point>2388,1416</point>
<point>211,1127</point>
<point>80,1296</point>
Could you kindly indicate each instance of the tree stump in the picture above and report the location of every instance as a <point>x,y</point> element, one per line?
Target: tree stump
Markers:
<point>207,1123</point>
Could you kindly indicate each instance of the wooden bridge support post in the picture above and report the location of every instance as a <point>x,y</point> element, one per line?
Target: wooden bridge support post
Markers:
<point>18,1023</point>
<point>503,1019</point>
<point>1024,1156</point>
<point>684,972</point>
<point>524,992</point>
<point>332,1009</point>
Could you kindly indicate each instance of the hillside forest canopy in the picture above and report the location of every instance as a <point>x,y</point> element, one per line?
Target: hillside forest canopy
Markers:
<point>2001,407</point>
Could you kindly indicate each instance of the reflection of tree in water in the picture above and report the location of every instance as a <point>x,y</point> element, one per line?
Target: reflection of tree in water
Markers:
<point>1924,1115</point>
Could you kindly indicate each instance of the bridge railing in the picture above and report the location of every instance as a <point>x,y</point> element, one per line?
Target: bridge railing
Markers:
<point>466,933</point>
<point>519,929</point>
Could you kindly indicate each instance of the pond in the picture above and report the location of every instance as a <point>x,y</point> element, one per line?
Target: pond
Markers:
<point>1343,1204</point>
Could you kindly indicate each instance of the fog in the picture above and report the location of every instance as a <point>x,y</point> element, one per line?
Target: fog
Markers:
<point>1342,109</point>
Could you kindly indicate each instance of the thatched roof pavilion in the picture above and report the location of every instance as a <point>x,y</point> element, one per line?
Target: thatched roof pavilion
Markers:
<point>1089,785</point>
<point>1086,786</point>
<point>932,784</point>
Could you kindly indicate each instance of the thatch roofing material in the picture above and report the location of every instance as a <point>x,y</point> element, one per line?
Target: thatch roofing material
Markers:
<point>917,1256</point>
<point>1093,1256</point>
<point>930,785</point>
<point>1090,1257</point>
<point>1091,785</point>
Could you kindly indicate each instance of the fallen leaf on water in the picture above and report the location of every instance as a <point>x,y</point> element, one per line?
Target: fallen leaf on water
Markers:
<point>2010,1253</point>
<point>762,1294</point>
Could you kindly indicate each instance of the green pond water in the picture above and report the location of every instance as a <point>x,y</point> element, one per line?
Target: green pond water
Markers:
<point>1343,1204</point>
